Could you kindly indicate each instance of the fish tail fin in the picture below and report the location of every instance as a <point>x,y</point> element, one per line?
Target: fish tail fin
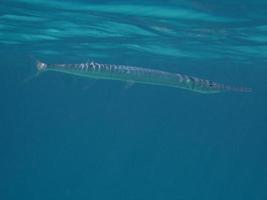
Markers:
<point>39,67</point>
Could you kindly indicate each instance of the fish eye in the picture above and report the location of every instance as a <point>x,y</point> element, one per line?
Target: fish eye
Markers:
<point>211,84</point>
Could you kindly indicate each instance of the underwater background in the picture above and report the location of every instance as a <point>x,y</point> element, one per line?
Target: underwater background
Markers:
<point>67,137</point>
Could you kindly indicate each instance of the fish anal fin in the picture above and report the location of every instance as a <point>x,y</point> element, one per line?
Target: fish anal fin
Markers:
<point>129,84</point>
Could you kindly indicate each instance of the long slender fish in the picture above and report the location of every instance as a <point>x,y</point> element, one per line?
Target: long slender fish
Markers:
<point>140,75</point>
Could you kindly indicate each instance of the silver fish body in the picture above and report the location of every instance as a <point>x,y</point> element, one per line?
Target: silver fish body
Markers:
<point>139,75</point>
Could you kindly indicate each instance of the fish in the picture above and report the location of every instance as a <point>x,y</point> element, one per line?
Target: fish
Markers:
<point>133,74</point>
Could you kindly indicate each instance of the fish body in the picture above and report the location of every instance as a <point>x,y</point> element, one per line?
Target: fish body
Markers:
<point>139,75</point>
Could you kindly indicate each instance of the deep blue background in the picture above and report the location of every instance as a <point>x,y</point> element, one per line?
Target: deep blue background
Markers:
<point>64,137</point>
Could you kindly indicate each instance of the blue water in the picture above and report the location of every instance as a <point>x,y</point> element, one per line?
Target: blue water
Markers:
<point>66,137</point>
